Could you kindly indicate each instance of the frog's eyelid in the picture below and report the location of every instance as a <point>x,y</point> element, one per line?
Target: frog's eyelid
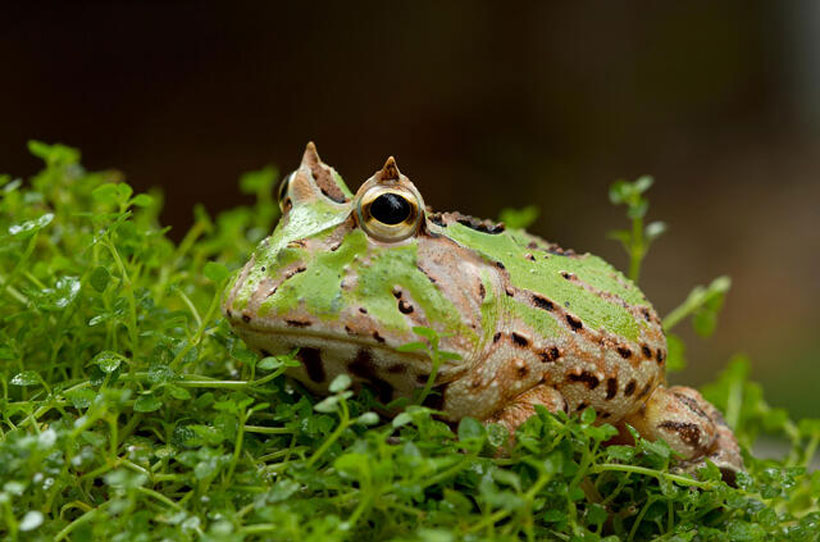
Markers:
<point>284,184</point>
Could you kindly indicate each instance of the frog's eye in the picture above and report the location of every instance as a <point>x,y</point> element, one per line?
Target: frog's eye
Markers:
<point>388,213</point>
<point>282,193</point>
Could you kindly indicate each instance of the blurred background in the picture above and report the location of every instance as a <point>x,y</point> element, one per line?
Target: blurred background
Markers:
<point>484,106</point>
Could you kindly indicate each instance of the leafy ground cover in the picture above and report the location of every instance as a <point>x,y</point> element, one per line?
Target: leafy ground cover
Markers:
<point>129,411</point>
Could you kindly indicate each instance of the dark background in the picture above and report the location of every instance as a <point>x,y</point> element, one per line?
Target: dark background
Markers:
<point>484,106</point>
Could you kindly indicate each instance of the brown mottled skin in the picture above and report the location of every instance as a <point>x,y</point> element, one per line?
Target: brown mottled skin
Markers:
<point>320,285</point>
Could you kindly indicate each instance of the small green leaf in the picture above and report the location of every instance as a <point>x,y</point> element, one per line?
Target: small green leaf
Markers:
<point>519,219</point>
<point>643,183</point>
<point>411,347</point>
<point>654,230</point>
<point>340,383</point>
<point>327,405</point>
<point>262,180</point>
<point>178,392</point>
<point>368,418</point>
<point>107,361</point>
<point>106,193</point>
<point>402,418</point>
<point>147,403</point>
<point>470,428</point>
<point>25,378</point>
<point>142,200</point>
<point>99,278</point>
<point>675,353</point>
<point>216,271</point>
<point>31,226</point>
<point>54,154</point>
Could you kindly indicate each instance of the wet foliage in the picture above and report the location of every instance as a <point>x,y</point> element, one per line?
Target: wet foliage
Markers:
<point>129,411</point>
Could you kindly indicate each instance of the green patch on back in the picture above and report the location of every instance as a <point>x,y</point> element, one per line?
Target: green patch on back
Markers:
<point>319,287</point>
<point>544,276</point>
<point>396,266</point>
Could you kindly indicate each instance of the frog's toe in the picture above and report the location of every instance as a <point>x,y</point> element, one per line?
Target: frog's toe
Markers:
<point>692,427</point>
<point>523,406</point>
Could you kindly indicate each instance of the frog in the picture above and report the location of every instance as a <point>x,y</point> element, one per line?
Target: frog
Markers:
<point>345,280</point>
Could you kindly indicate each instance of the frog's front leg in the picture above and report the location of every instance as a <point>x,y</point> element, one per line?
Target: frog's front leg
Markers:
<point>692,426</point>
<point>523,406</point>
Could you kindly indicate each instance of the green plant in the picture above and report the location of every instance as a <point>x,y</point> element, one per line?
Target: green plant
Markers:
<point>129,411</point>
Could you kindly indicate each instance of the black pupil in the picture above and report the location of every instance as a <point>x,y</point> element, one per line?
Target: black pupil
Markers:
<point>390,209</point>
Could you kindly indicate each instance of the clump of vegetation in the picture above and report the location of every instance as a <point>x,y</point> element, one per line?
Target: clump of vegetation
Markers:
<point>129,411</point>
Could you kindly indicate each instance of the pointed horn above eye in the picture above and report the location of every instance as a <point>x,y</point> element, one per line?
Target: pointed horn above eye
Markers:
<point>390,171</point>
<point>311,156</point>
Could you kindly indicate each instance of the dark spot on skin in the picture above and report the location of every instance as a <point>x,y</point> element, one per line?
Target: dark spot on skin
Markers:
<point>362,310</point>
<point>581,406</point>
<point>379,338</point>
<point>530,257</point>
<point>566,304</point>
<point>630,388</point>
<point>496,337</point>
<point>645,390</point>
<point>500,265</point>
<point>483,226</point>
<point>422,378</point>
<point>550,355</point>
<point>510,292</point>
<point>349,330</point>
<point>482,291</point>
<point>435,399</point>
<point>520,340</point>
<point>532,245</point>
<point>296,272</point>
<point>397,292</point>
<point>312,360</point>
<point>405,307</point>
<point>647,353</point>
<point>729,476</point>
<point>362,366</point>
<point>397,369</point>
<point>646,315</point>
<point>431,279</point>
<point>590,380</point>
<point>625,352</point>
<point>264,268</point>
<point>265,353</point>
<point>574,323</point>
<point>691,404</point>
<point>566,275</point>
<point>522,371</point>
<point>689,433</point>
<point>660,356</point>
<point>272,292</point>
<point>297,323</point>
<point>246,318</point>
<point>611,388</point>
<point>335,246</point>
<point>605,415</point>
<point>437,219</point>
<point>228,313</point>
<point>543,303</point>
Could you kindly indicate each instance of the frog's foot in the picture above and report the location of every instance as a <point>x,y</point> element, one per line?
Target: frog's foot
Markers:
<point>692,426</point>
<point>523,406</point>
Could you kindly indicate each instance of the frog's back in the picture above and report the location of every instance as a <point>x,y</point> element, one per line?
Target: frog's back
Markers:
<point>567,320</point>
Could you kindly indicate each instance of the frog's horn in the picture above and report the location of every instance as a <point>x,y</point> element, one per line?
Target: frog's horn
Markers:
<point>311,157</point>
<point>390,171</point>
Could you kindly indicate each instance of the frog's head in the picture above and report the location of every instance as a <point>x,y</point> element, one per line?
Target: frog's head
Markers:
<point>345,274</point>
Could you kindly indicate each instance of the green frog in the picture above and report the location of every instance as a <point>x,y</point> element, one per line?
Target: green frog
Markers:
<point>344,278</point>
